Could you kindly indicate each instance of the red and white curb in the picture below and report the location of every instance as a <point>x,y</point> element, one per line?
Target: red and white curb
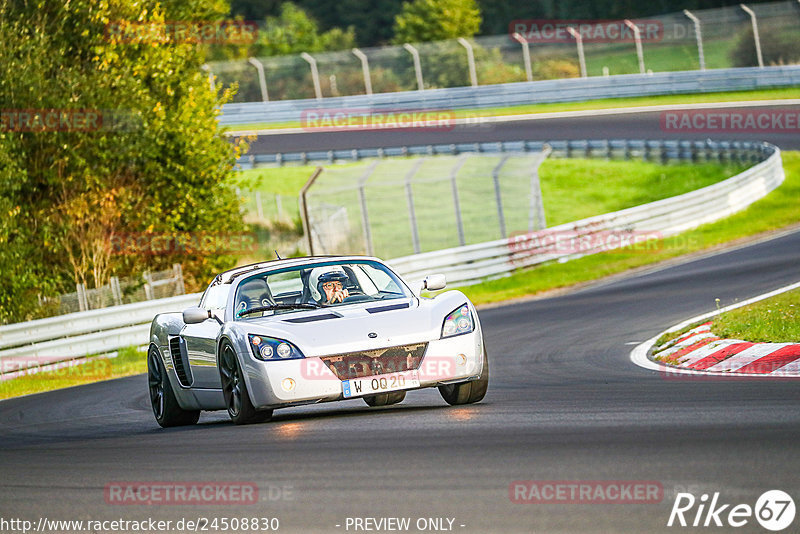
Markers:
<point>699,351</point>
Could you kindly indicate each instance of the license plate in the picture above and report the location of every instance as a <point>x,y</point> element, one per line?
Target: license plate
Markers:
<point>369,385</point>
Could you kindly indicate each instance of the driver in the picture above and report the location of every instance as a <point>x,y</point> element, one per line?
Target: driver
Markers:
<point>327,284</point>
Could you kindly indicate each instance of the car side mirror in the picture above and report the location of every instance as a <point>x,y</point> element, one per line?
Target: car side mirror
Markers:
<point>195,315</point>
<point>434,282</point>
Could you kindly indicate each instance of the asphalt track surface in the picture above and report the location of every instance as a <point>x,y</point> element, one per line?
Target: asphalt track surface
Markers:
<point>640,125</point>
<point>564,403</point>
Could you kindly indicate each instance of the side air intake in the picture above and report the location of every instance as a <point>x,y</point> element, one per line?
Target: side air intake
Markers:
<point>177,350</point>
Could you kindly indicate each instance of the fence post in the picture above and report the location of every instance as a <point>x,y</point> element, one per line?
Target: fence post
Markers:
<point>177,273</point>
<point>417,66</point>
<point>83,302</point>
<point>501,219</point>
<point>526,55</point>
<point>756,38</point>
<point>364,69</point>
<point>470,60</point>
<point>262,80</point>
<point>454,186</point>
<point>581,58</point>
<point>412,215</point>
<point>116,291</point>
<point>148,286</point>
<point>206,68</point>
<point>259,205</point>
<point>362,198</point>
<point>699,36</point>
<point>536,218</point>
<point>279,206</point>
<point>303,201</point>
<point>637,37</point>
<point>314,73</point>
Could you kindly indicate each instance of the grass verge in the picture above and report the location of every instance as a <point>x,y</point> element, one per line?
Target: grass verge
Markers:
<point>605,103</point>
<point>777,210</point>
<point>129,361</point>
<point>774,320</point>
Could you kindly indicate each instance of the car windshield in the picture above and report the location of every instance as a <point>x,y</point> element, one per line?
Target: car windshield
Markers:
<point>326,284</point>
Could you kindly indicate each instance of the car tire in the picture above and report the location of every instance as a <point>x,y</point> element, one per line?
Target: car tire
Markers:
<point>468,392</point>
<point>385,399</point>
<point>162,398</point>
<point>234,390</point>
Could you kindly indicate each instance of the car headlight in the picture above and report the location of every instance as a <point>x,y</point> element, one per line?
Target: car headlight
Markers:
<point>458,322</point>
<point>270,348</point>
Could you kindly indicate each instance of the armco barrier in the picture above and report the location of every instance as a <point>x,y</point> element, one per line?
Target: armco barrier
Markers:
<point>77,335</point>
<point>469,264</point>
<point>513,94</point>
<point>648,150</point>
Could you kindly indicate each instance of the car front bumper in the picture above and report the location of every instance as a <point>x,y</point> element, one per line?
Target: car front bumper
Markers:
<point>277,384</point>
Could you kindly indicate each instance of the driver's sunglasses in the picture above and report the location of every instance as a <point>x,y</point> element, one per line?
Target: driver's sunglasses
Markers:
<point>336,286</point>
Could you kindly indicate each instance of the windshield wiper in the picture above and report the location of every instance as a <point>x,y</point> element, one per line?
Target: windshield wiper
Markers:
<point>295,306</point>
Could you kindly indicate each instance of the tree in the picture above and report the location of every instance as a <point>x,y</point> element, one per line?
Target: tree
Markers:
<point>436,20</point>
<point>152,160</point>
<point>293,32</point>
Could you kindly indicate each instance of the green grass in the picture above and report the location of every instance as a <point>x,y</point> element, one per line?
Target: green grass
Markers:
<point>606,103</point>
<point>574,189</point>
<point>129,361</point>
<point>777,210</point>
<point>622,58</point>
<point>776,320</point>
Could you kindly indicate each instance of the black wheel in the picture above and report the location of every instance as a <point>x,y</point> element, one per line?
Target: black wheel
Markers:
<point>165,406</point>
<point>468,392</point>
<point>234,390</point>
<point>385,399</point>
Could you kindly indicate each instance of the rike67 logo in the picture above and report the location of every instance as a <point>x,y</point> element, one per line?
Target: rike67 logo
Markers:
<point>774,510</point>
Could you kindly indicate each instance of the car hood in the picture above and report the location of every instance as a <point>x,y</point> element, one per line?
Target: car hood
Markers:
<point>358,327</point>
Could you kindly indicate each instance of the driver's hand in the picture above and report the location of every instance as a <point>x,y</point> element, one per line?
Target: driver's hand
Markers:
<point>339,296</point>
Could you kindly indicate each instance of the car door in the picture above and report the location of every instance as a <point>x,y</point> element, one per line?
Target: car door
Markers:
<point>200,340</point>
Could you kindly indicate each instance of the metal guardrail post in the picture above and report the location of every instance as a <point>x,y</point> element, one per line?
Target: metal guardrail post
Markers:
<point>262,79</point>
<point>470,60</point>
<point>581,58</point>
<point>637,37</point>
<point>498,198</point>
<point>756,37</point>
<point>699,37</point>
<point>412,214</point>
<point>314,73</point>
<point>417,66</point>
<point>456,203</point>
<point>364,69</point>
<point>526,54</point>
<point>362,198</point>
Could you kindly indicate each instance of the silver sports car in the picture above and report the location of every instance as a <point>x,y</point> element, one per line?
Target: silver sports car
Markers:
<point>306,330</point>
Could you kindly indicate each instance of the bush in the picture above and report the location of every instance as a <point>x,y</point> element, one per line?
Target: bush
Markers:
<point>778,46</point>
